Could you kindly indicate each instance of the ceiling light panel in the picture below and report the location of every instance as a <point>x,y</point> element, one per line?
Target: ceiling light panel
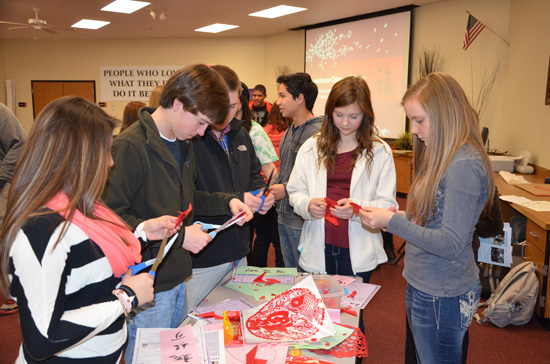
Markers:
<point>125,6</point>
<point>277,11</point>
<point>216,28</point>
<point>90,24</point>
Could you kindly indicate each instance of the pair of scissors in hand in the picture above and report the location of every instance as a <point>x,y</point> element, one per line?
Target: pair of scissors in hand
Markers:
<point>164,249</point>
<point>264,190</point>
<point>225,225</point>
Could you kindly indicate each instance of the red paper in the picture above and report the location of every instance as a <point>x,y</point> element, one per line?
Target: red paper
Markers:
<point>356,207</point>
<point>295,315</point>
<point>328,216</point>
<point>183,215</point>
<point>260,278</point>
<point>251,357</point>
<point>270,281</point>
<point>354,345</point>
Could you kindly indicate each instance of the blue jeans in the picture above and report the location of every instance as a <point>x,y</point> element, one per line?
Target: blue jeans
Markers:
<point>338,261</point>
<point>438,324</point>
<point>290,240</point>
<point>168,310</point>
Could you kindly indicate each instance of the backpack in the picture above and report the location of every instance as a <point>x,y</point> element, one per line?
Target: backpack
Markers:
<point>490,276</point>
<point>513,301</point>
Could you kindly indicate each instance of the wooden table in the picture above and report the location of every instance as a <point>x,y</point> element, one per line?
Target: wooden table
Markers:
<point>537,247</point>
<point>220,293</point>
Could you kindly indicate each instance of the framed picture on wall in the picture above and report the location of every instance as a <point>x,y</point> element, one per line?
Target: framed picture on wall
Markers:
<point>548,86</point>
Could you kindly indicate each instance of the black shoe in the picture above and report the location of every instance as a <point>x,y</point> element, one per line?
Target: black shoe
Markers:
<point>391,257</point>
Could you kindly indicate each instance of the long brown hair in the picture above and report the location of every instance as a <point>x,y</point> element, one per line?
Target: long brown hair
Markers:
<point>68,149</point>
<point>347,91</point>
<point>453,123</point>
<point>130,114</point>
<point>276,119</point>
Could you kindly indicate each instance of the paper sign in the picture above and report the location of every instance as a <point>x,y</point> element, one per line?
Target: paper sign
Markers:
<point>497,250</point>
<point>178,345</point>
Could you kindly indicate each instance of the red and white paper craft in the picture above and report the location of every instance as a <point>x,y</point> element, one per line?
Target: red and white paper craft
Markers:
<point>297,314</point>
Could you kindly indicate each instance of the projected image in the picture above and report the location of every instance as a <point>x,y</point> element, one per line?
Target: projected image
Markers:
<point>375,48</point>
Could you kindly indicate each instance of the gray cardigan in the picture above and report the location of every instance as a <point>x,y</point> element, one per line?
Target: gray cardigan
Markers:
<point>439,258</point>
<point>288,150</point>
<point>12,142</point>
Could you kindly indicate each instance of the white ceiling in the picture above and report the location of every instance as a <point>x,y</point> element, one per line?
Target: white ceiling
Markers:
<point>183,17</point>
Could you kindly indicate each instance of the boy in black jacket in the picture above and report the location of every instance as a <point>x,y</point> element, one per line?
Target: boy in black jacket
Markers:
<point>226,162</point>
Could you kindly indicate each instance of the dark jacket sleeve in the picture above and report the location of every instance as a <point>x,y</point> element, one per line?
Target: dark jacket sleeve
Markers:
<point>123,182</point>
<point>491,225</point>
<point>12,142</point>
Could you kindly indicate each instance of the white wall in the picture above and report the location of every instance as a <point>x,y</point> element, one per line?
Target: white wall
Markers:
<point>77,60</point>
<point>2,73</point>
<point>525,123</point>
<point>443,26</point>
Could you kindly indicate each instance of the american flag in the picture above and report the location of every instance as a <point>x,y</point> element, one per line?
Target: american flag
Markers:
<point>473,28</point>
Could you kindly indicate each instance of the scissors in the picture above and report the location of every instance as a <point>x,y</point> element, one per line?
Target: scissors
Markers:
<point>164,248</point>
<point>219,228</point>
<point>265,189</point>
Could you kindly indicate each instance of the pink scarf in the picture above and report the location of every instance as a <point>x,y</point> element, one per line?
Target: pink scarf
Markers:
<point>108,236</point>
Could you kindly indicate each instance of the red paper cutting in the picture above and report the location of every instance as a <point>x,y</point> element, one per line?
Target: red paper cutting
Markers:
<point>260,278</point>
<point>251,357</point>
<point>183,215</point>
<point>352,294</point>
<point>270,281</point>
<point>354,345</point>
<point>356,207</point>
<point>305,360</point>
<point>328,216</point>
<point>348,311</point>
<point>293,315</point>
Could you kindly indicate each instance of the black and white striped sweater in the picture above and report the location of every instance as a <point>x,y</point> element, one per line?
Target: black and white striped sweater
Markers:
<point>66,309</point>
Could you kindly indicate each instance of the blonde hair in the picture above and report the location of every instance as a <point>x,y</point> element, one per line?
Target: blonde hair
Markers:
<point>68,149</point>
<point>453,123</point>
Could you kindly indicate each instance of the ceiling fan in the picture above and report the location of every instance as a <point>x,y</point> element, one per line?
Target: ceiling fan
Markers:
<point>37,24</point>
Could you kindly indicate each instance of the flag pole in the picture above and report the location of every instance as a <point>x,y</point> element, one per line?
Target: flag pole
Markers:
<point>495,33</point>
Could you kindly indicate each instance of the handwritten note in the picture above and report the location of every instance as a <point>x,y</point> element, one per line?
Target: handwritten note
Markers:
<point>363,294</point>
<point>179,346</point>
<point>269,271</point>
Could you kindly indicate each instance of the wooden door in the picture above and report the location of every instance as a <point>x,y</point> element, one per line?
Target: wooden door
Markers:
<point>44,92</point>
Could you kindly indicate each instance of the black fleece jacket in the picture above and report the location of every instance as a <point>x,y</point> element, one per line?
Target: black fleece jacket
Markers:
<point>236,175</point>
<point>146,182</point>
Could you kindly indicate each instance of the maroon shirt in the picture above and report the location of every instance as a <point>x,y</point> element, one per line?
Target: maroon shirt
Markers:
<point>338,188</point>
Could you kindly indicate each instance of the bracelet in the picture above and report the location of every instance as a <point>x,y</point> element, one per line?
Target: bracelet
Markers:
<point>124,300</point>
<point>131,294</point>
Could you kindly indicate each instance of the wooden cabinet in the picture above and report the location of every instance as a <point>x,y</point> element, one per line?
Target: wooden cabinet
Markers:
<point>403,169</point>
<point>537,233</point>
<point>535,251</point>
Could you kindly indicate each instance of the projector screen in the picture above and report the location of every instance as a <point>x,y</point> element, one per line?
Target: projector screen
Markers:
<point>375,48</point>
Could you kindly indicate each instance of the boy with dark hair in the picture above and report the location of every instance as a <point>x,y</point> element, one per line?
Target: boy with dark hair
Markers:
<point>226,162</point>
<point>297,95</point>
<point>154,174</point>
<point>260,108</point>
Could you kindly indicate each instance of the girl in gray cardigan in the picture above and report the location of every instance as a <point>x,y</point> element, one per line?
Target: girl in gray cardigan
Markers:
<point>452,184</point>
